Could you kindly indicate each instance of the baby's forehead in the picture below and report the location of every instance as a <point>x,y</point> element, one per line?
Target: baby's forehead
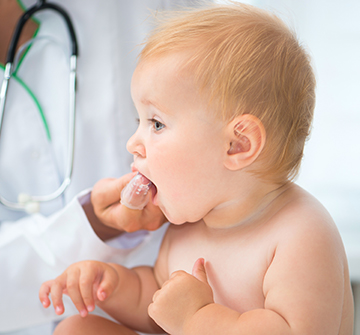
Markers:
<point>172,66</point>
<point>171,74</point>
<point>176,61</point>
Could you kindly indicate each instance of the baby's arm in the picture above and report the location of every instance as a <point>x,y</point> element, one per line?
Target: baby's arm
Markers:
<point>130,300</point>
<point>303,293</point>
<point>123,293</point>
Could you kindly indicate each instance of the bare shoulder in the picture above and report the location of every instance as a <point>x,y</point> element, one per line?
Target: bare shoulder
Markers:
<point>305,228</point>
<point>302,216</point>
<point>306,232</point>
<point>309,266</point>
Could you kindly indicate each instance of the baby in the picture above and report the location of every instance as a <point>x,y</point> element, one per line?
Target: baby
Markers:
<point>225,97</point>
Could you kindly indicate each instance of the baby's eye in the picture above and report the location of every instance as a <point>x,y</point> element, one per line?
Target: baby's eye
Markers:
<point>157,125</point>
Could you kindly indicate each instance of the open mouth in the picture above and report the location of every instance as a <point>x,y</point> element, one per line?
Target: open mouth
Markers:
<point>146,181</point>
<point>135,195</point>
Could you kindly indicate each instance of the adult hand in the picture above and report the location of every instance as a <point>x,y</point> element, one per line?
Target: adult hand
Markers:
<point>180,298</point>
<point>105,199</point>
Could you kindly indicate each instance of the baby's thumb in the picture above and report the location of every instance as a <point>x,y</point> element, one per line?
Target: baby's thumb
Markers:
<point>107,285</point>
<point>199,271</point>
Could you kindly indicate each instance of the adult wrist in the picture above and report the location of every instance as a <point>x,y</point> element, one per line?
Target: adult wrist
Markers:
<point>103,231</point>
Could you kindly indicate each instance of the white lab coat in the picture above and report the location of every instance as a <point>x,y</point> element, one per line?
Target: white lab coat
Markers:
<point>38,247</point>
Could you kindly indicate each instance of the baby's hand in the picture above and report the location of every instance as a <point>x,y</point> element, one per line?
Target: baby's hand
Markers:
<point>180,298</point>
<point>85,282</point>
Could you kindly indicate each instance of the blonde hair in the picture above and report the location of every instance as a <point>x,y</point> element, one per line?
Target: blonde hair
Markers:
<point>248,62</point>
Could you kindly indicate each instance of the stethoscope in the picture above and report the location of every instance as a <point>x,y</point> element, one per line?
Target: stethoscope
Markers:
<point>27,202</point>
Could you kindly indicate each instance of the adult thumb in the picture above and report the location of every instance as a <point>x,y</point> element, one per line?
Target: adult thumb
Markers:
<point>199,271</point>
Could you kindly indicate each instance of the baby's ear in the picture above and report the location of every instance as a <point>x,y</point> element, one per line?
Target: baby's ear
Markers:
<point>246,139</point>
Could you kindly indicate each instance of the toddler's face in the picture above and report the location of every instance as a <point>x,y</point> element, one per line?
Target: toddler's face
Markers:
<point>178,145</point>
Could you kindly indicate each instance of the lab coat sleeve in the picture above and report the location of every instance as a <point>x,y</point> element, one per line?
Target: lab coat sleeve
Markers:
<point>38,248</point>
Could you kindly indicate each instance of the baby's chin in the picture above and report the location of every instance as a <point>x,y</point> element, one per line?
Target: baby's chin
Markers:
<point>173,218</point>
<point>176,218</point>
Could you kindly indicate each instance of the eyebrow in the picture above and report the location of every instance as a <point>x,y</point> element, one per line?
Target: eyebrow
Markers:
<point>157,106</point>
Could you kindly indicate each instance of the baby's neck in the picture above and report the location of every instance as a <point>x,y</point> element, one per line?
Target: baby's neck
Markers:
<point>254,204</point>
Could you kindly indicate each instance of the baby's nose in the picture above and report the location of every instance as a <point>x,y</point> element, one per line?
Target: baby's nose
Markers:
<point>135,145</point>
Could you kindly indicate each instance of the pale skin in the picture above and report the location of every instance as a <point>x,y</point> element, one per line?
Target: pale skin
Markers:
<point>243,256</point>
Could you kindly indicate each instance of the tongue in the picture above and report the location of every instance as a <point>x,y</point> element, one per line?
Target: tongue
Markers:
<point>142,179</point>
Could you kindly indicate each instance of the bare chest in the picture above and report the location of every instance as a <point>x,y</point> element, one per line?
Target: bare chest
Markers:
<point>235,266</point>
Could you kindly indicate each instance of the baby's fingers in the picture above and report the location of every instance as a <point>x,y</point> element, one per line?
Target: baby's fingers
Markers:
<point>56,292</point>
<point>55,288</point>
<point>108,284</point>
<point>78,288</point>
<point>44,293</point>
<point>88,285</point>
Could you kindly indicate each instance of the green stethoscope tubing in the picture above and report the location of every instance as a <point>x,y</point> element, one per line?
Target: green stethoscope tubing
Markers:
<point>22,83</point>
<point>36,101</point>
